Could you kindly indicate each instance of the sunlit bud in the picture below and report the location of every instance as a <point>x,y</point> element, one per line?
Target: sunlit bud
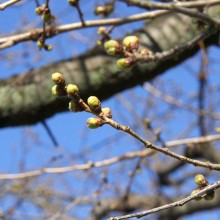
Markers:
<point>112,47</point>
<point>94,122</point>
<point>210,196</point>
<point>194,192</point>
<point>101,30</point>
<point>38,11</point>
<point>93,102</point>
<point>58,91</point>
<point>58,78</point>
<point>72,106</point>
<point>131,43</point>
<point>107,112</point>
<point>124,63</point>
<point>200,180</point>
<point>73,2</point>
<point>109,8</point>
<point>48,47</point>
<point>47,16</point>
<point>40,44</point>
<point>72,89</point>
<point>146,52</point>
<point>100,10</point>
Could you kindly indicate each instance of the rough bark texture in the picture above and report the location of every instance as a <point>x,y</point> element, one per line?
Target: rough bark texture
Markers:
<point>26,98</point>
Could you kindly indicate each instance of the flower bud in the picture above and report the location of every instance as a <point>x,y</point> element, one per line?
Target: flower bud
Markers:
<point>146,52</point>
<point>101,30</point>
<point>72,89</point>
<point>73,2</point>
<point>194,192</point>
<point>58,91</point>
<point>72,106</point>
<point>107,112</point>
<point>94,103</point>
<point>100,10</point>
<point>200,180</point>
<point>47,16</point>
<point>94,123</point>
<point>210,196</point>
<point>112,47</point>
<point>58,78</point>
<point>48,47</point>
<point>124,63</point>
<point>131,43</point>
<point>38,11</point>
<point>40,44</point>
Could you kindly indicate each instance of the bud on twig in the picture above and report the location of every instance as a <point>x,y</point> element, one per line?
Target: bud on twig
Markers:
<point>94,103</point>
<point>94,123</point>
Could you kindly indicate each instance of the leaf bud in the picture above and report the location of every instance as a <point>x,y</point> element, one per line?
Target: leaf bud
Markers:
<point>146,52</point>
<point>125,63</point>
<point>107,112</point>
<point>200,180</point>
<point>40,44</point>
<point>94,123</point>
<point>112,47</point>
<point>131,43</point>
<point>72,89</point>
<point>58,78</point>
<point>72,106</point>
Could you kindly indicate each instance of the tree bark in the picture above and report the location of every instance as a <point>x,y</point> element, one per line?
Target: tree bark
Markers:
<point>26,99</point>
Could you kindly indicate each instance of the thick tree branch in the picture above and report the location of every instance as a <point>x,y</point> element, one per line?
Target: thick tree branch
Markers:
<point>27,99</point>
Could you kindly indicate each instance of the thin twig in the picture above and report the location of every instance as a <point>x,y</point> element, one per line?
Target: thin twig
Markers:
<point>181,202</point>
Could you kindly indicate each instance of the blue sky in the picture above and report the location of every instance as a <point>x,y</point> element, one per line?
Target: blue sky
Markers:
<point>78,144</point>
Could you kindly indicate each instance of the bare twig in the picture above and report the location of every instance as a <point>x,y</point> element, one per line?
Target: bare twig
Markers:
<point>181,202</point>
<point>107,162</point>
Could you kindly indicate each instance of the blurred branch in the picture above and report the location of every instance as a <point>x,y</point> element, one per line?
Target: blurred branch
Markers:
<point>107,162</point>
<point>10,41</point>
<point>8,3</point>
<point>181,202</point>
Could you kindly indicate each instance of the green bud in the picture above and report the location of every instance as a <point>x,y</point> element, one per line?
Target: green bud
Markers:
<point>38,11</point>
<point>48,47</point>
<point>100,10</point>
<point>58,91</point>
<point>94,123</point>
<point>73,2</point>
<point>200,180</point>
<point>112,47</point>
<point>72,106</point>
<point>101,30</point>
<point>47,17</point>
<point>124,63</point>
<point>131,43</point>
<point>107,112</point>
<point>40,44</point>
<point>93,102</point>
<point>194,192</point>
<point>210,196</point>
<point>72,89</point>
<point>58,78</point>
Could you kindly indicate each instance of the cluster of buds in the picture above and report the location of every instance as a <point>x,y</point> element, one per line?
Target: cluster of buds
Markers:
<point>59,89</point>
<point>202,183</point>
<point>45,14</point>
<point>75,104</point>
<point>129,50</point>
<point>104,10</point>
<point>41,44</point>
